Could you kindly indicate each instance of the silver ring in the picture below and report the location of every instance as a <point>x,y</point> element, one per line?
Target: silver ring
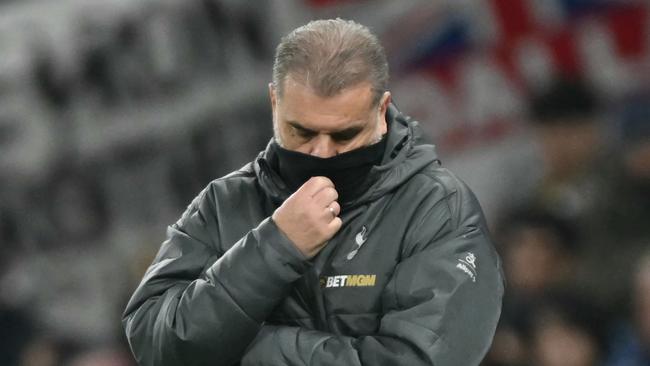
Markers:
<point>332,211</point>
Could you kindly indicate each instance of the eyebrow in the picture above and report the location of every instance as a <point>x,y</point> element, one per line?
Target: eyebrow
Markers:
<point>337,135</point>
<point>301,128</point>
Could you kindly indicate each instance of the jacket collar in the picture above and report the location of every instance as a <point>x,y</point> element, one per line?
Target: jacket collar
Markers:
<point>403,158</point>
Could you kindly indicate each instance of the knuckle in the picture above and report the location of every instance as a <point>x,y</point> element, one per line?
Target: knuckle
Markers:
<point>330,192</point>
<point>307,184</point>
<point>323,180</point>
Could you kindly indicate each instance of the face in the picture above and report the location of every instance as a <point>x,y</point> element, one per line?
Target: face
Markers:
<point>327,126</point>
<point>534,260</point>
<point>558,344</point>
<point>569,148</point>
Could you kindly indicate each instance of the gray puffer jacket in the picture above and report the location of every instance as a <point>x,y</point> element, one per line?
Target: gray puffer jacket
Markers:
<point>410,279</point>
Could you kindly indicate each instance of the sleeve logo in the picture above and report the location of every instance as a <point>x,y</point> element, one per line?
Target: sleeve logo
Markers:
<point>468,265</point>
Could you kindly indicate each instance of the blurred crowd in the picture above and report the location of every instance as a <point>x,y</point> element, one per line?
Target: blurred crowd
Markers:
<point>114,114</point>
<point>576,253</point>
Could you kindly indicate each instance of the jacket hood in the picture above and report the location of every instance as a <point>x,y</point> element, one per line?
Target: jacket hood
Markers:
<point>403,158</point>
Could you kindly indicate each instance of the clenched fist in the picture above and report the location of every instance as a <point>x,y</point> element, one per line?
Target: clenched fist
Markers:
<point>309,217</point>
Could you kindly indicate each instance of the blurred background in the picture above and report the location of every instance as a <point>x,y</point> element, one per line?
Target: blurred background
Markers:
<point>114,114</point>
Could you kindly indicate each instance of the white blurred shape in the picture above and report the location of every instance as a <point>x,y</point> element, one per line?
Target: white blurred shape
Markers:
<point>608,72</point>
<point>535,64</point>
<point>424,99</point>
<point>501,175</point>
<point>486,92</point>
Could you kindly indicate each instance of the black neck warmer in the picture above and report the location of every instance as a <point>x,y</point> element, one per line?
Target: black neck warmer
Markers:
<point>347,171</point>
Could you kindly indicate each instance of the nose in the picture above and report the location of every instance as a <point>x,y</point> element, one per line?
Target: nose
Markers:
<point>323,147</point>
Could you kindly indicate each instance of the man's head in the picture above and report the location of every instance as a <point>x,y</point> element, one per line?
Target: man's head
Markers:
<point>570,134</point>
<point>329,88</point>
<point>539,250</point>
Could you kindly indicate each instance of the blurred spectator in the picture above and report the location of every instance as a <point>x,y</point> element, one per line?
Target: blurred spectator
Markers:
<point>600,188</point>
<point>617,225</point>
<point>539,253</point>
<point>538,250</point>
<point>130,64</point>
<point>75,205</point>
<point>627,206</point>
<point>41,352</point>
<point>95,41</point>
<point>572,141</point>
<point>567,331</point>
<point>50,82</point>
<point>631,342</point>
<point>102,357</point>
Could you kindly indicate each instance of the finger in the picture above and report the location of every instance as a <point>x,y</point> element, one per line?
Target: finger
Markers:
<point>330,213</point>
<point>325,196</point>
<point>315,184</point>
<point>336,208</point>
<point>335,225</point>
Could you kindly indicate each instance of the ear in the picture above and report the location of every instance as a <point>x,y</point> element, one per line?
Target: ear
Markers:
<point>384,102</point>
<point>273,98</point>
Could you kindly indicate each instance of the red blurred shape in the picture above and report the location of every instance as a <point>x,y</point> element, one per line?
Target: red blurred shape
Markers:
<point>513,17</point>
<point>629,26</point>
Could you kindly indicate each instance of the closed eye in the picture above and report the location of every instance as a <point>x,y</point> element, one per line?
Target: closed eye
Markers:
<point>347,134</point>
<point>338,136</point>
<point>303,132</point>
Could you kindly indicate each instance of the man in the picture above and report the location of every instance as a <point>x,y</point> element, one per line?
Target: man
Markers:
<point>344,243</point>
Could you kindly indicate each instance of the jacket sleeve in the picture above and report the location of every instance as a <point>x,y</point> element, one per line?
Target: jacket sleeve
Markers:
<point>441,305</point>
<point>196,306</point>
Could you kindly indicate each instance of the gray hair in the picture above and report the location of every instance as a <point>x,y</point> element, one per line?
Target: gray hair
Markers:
<point>331,55</point>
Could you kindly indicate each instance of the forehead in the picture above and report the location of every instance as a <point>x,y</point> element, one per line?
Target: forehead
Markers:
<point>300,103</point>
